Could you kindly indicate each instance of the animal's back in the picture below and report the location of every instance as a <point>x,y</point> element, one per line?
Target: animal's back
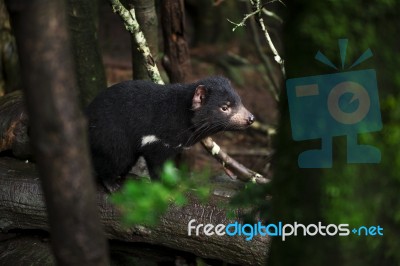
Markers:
<point>123,107</point>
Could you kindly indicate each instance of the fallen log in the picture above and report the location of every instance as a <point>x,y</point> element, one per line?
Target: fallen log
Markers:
<point>22,207</point>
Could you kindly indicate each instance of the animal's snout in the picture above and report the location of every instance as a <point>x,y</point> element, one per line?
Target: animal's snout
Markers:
<point>250,119</point>
<point>241,119</point>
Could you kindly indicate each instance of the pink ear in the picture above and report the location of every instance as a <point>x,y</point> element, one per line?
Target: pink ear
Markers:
<point>198,98</point>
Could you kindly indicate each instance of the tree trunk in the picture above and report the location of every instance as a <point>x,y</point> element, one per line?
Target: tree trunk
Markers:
<point>22,207</point>
<point>147,17</point>
<point>58,132</point>
<point>176,60</point>
<point>89,67</point>
<point>296,192</point>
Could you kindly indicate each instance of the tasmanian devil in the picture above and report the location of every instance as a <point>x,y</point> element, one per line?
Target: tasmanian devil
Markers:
<point>140,118</point>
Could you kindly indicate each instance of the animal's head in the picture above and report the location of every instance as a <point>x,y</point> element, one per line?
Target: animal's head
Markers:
<point>218,107</point>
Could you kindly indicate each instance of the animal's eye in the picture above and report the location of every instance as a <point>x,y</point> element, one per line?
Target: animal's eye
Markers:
<point>224,108</point>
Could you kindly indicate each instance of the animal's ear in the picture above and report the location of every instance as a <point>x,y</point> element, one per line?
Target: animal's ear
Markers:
<point>199,97</point>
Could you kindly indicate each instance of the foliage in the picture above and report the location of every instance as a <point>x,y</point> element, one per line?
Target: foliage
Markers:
<point>143,202</point>
<point>363,194</point>
<point>369,194</point>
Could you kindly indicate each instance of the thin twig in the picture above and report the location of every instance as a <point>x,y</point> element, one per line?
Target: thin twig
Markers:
<point>272,85</point>
<point>246,17</point>
<point>258,9</point>
<point>243,172</point>
<point>277,57</point>
<point>257,6</point>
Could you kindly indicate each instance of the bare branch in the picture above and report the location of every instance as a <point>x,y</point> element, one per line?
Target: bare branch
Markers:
<point>257,6</point>
<point>251,14</point>
<point>243,172</point>
<point>272,85</point>
<point>277,57</point>
<point>246,17</point>
<point>258,9</point>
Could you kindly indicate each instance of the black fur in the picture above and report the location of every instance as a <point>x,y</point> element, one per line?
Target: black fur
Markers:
<point>178,115</point>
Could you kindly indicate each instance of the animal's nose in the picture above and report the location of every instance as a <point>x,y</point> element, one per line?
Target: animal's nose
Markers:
<point>250,119</point>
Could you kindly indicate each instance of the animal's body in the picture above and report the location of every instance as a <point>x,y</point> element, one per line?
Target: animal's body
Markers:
<point>140,118</point>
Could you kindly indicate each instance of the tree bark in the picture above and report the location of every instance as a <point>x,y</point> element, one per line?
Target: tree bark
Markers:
<point>147,18</point>
<point>176,60</point>
<point>58,132</point>
<point>24,249</point>
<point>89,67</point>
<point>22,207</point>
